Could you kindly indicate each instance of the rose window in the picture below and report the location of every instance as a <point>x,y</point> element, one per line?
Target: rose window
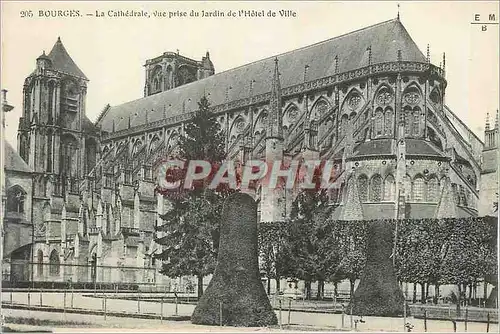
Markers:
<point>384,97</point>
<point>354,102</point>
<point>412,97</point>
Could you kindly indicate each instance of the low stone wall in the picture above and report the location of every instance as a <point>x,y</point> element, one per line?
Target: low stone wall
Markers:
<point>449,312</point>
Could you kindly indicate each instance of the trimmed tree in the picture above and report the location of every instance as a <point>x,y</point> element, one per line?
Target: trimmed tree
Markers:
<point>351,238</point>
<point>304,242</point>
<point>191,226</point>
<point>378,292</point>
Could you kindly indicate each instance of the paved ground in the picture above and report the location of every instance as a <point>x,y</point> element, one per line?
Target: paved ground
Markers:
<point>299,319</point>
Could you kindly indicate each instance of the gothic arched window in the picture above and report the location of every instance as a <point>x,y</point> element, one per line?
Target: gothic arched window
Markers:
<point>343,125</point>
<point>432,190</point>
<point>39,265</point>
<point>15,199</point>
<point>68,155</point>
<point>376,188</point>
<point>416,121</point>
<point>389,188</point>
<point>379,122</point>
<point>54,263</point>
<point>363,188</point>
<point>388,121</point>
<point>153,144</point>
<point>49,151</point>
<point>463,196</point>
<point>157,79</point>
<point>418,189</point>
<point>407,120</point>
<point>50,110</point>
<point>169,78</point>
<point>135,148</point>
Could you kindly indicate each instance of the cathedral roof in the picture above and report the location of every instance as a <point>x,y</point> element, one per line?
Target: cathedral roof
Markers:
<point>380,147</point>
<point>62,61</point>
<point>13,160</point>
<point>374,147</point>
<point>421,147</point>
<point>384,39</point>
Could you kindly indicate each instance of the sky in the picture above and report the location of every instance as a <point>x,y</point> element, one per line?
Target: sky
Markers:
<point>112,51</point>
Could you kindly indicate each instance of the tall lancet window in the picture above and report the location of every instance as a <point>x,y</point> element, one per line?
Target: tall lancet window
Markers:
<point>432,190</point>
<point>379,122</point>
<point>376,188</point>
<point>363,188</point>
<point>416,121</point>
<point>49,151</point>
<point>389,188</point>
<point>54,268</point>
<point>388,121</point>
<point>418,189</point>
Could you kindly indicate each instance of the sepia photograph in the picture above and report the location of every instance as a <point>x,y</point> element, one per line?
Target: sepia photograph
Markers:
<point>249,166</point>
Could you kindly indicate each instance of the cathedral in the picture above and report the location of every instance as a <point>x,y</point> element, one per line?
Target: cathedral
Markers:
<point>81,193</point>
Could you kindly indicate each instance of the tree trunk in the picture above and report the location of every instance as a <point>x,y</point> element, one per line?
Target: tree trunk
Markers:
<point>436,294</point>
<point>335,289</point>
<point>485,292</point>
<point>426,291</point>
<point>470,294</point>
<point>308,289</point>
<point>321,290</point>
<point>200,286</point>
<point>278,287</point>
<point>268,285</point>
<point>459,299</point>
<point>414,293</point>
<point>422,293</point>
<point>351,289</point>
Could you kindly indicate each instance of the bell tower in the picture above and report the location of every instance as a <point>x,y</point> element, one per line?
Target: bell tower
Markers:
<point>172,70</point>
<point>50,134</point>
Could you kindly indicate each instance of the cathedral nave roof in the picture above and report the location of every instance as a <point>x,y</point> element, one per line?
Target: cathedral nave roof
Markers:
<point>384,39</point>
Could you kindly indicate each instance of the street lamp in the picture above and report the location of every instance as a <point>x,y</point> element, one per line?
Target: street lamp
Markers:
<point>5,108</point>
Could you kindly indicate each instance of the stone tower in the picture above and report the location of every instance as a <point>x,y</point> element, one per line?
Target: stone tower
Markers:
<point>488,187</point>
<point>172,70</point>
<point>51,130</point>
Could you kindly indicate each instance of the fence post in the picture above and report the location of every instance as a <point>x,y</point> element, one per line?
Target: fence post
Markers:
<point>41,297</point>
<point>220,314</point>
<point>139,303</point>
<point>11,299</point>
<point>488,322</point>
<point>289,310</point>
<point>105,306</point>
<point>161,310</point>
<point>425,320</point>
<point>352,320</point>
<point>64,302</point>
<point>334,303</point>
<point>72,289</point>
<point>29,297</point>
<point>466,317</point>
<point>176,304</point>
<point>281,323</point>
<point>404,313</point>
<point>343,315</point>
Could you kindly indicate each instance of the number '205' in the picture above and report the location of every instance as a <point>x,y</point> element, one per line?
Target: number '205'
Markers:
<point>26,13</point>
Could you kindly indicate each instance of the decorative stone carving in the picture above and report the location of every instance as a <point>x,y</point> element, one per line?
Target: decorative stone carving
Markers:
<point>354,101</point>
<point>239,125</point>
<point>384,97</point>
<point>412,97</point>
<point>292,114</point>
